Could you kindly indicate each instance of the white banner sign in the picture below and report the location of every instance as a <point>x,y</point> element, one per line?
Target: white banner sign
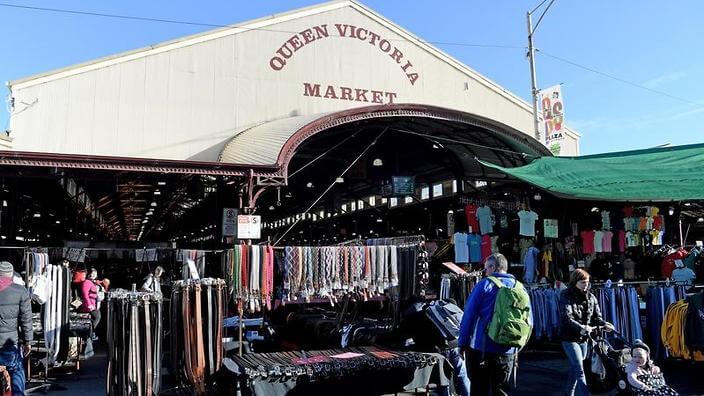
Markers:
<point>553,114</point>
<point>249,227</point>
<point>229,222</point>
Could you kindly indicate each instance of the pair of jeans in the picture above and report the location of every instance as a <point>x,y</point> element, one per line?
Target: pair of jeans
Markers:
<point>577,380</point>
<point>94,319</point>
<point>459,376</point>
<point>489,373</point>
<point>11,358</point>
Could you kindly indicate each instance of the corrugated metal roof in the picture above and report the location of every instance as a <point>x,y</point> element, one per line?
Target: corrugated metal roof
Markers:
<point>261,144</point>
<point>274,143</point>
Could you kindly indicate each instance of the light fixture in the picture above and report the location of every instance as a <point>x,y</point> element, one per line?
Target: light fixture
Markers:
<point>157,192</point>
<point>3,237</point>
<point>685,204</point>
<point>58,221</point>
<point>4,203</point>
<point>153,204</point>
<point>340,180</point>
<point>271,207</point>
<point>162,183</point>
<point>537,197</point>
<point>595,209</point>
<point>230,182</point>
<point>700,220</point>
<point>309,184</point>
<point>19,238</point>
<point>671,211</point>
<point>378,162</point>
<point>37,215</point>
<point>379,220</point>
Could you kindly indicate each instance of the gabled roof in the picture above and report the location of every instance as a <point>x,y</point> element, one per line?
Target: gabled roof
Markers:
<point>264,24</point>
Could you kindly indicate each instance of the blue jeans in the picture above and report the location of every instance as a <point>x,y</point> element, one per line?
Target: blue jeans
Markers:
<point>576,353</point>
<point>11,358</point>
<point>459,376</point>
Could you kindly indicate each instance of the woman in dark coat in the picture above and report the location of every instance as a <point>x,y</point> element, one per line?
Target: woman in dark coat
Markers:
<point>579,316</point>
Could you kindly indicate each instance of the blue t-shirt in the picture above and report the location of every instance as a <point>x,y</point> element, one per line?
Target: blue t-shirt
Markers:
<point>528,219</point>
<point>461,248</point>
<point>530,261</point>
<point>486,225</point>
<point>474,242</point>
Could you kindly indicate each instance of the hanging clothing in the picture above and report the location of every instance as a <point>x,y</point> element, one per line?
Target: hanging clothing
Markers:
<point>470,211</point>
<point>530,262</point>
<point>587,242</point>
<point>461,248</point>
<point>474,242</point>
<point>486,220</point>
<point>527,222</point>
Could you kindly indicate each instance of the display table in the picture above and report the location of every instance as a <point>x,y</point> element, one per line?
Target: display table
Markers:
<point>350,371</point>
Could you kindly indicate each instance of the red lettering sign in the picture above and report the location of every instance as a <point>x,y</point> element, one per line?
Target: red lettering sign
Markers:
<point>346,93</point>
<point>299,40</point>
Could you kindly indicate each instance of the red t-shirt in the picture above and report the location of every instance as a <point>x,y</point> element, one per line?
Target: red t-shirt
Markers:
<point>486,246</point>
<point>587,241</point>
<point>668,262</point>
<point>657,223</point>
<point>471,212</point>
<point>628,211</point>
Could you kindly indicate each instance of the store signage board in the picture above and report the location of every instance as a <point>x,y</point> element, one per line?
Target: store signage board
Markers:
<point>399,186</point>
<point>249,227</point>
<point>229,222</point>
<point>553,114</point>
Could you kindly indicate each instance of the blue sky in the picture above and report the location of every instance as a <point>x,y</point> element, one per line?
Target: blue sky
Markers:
<point>651,44</point>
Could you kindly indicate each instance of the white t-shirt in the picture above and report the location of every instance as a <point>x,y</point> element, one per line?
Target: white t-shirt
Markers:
<point>528,219</point>
<point>598,241</point>
<point>605,220</point>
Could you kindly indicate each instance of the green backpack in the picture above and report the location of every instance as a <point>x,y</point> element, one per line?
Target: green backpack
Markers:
<point>510,324</point>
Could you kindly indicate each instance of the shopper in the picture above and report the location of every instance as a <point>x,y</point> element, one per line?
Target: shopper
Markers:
<point>15,312</point>
<point>89,296</point>
<point>489,364</point>
<point>644,376</point>
<point>579,316</point>
<point>152,283</point>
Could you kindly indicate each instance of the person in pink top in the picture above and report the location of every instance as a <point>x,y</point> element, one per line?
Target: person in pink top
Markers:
<point>89,296</point>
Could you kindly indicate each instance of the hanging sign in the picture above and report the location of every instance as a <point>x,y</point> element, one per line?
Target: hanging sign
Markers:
<point>553,112</point>
<point>229,222</point>
<point>550,228</point>
<point>249,227</point>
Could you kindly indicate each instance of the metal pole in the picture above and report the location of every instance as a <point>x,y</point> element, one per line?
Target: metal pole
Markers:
<point>533,77</point>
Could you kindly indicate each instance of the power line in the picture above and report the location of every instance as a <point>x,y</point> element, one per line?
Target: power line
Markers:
<point>621,80</point>
<point>213,25</point>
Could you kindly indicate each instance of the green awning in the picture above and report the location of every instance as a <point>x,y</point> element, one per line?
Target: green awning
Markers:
<point>659,174</point>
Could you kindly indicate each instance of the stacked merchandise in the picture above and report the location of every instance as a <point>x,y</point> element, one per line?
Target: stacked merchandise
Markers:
<point>249,274</point>
<point>621,307</point>
<point>545,307</point>
<point>134,343</point>
<point>197,312</point>
<point>279,373</point>
<point>50,286</point>
<point>657,300</point>
<point>682,330</point>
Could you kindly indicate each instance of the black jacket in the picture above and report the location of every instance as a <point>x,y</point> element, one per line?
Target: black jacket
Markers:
<point>578,310</point>
<point>694,323</point>
<point>15,312</point>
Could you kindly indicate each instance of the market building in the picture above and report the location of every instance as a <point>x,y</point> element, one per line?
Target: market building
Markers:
<point>342,132</point>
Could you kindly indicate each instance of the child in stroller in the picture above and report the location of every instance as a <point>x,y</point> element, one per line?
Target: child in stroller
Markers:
<point>628,369</point>
<point>643,377</point>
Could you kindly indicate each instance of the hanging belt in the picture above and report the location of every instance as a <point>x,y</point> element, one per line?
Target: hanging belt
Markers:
<point>199,346</point>
<point>211,345</point>
<point>148,347</point>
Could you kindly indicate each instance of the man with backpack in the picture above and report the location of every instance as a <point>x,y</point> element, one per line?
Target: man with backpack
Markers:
<point>497,322</point>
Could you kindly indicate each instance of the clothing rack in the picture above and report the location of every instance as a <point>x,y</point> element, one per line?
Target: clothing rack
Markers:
<point>399,240</point>
<point>134,343</point>
<point>197,314</point>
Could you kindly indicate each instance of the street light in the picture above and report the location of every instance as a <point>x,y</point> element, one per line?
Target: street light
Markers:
<point>531,58</point>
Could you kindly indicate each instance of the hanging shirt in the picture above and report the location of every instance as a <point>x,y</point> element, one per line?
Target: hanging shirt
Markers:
<point>628,211</point>
<point>474,241</point>
<point>528,219</point>
<point>606,243</point>
<point>683,276</point>
<point>485,246</point>
<point>587,242</point>
<point>495,244</point>
<point>622,241</point>
<point>461,250</point>
<point>598,241</point>
<point>605,220</point>
<point>470,211</point>
<point>529,263</point>
<point>485,217</point>
<point>631,240</point>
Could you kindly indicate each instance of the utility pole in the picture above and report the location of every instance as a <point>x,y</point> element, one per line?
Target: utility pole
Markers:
<point>531,60</point>
<point>533,77</point>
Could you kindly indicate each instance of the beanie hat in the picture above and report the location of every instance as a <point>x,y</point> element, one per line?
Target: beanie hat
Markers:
<point>6,269</point>
<point>640,344</point>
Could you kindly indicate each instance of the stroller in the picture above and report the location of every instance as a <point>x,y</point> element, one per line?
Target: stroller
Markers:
<point>605,367</point>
